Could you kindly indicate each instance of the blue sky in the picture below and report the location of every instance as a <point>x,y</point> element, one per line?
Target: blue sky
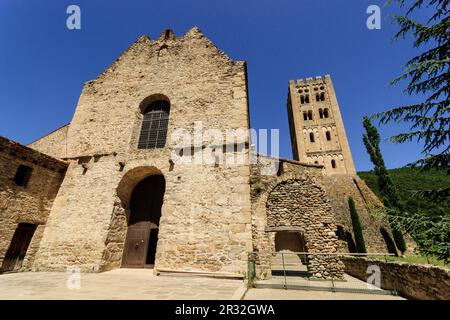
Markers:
<point>43,64</point>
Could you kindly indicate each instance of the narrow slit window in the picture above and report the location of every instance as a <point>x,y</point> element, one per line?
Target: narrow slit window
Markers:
<point>322,96</point>
<point>326,113</point>
<point>311,137</point>
<point>321,113</point>
<point>333,164</point>
<point>328,134</point>
<point>310,115</point>
<point>305,116</point>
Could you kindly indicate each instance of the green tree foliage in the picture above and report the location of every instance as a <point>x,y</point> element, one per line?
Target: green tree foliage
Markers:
<point>359,238</point>
<point>410,181</point>
<point>428,76</point>
<point>386,187</point>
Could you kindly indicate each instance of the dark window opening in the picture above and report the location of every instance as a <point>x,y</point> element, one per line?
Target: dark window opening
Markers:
<point>350,243</point>
<point>305,116</point>
<point>390,245</point>
<point>310,115</point>
<point>326,113</point>
<point>23,175</point>
<point>307,98</point>
<point>321,113</point>
<point>322,96</point>
<point>333,164</point>
<point>311,137</point>
<point>154,125</point>
<point>340,233</point>
<point>317,97</point>
<point>328,134</point>
<point>302,99</point>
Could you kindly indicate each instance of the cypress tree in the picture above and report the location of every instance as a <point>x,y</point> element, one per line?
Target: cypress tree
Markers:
<point>388,193</point>
<point>357,230</point>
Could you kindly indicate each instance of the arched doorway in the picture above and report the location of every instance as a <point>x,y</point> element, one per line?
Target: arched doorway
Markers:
<point>143,222</point>
<point>390,245</point>
<point>290,244</point>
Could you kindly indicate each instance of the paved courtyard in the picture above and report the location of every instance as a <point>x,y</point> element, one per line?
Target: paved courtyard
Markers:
<point>142,284</point>
<point>117,284</point>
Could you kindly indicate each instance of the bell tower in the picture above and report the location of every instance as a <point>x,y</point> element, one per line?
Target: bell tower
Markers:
<point>316,127</point>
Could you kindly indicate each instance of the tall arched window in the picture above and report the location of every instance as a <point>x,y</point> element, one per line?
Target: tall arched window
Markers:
<point>154,125</point>
<point>333,164</point>
<point>311,137</point>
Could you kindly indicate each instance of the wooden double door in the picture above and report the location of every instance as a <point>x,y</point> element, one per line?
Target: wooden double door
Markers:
<point>143,222</point>
<point>140,246</point>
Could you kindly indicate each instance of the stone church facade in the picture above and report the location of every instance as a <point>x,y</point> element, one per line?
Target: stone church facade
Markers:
<point>105,192</point>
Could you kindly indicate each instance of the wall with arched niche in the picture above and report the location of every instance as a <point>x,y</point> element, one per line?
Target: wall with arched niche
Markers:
<point>295,202</point>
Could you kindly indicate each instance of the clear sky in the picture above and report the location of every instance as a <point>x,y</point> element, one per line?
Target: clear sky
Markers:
<point>43,64</point>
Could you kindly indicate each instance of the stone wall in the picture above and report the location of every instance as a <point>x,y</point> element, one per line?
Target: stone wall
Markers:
<point>206,215</point>
<point>30,203</point>
<point>54,144</point>
<point>296,202</point>
<point>338,188</point>
<point>369,207</point>
<point>412,281</point>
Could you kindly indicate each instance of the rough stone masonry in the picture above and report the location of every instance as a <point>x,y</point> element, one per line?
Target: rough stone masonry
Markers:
<point>99,209</point>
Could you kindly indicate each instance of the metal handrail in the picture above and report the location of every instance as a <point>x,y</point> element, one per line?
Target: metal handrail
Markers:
<point>336,253</point>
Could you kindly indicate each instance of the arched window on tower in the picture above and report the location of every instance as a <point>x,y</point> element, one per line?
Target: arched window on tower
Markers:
<point>321,113</point>
<point>310,115</point>
<point>328,134</point>
<point>311,137</point>
<point>326,113</point>
<point>322,96</point>
<point>154,125</point>
<point>333,164</point>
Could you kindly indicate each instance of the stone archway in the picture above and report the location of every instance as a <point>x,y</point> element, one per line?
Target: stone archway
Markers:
<point>297,203</point>
<point>133,207</point>
<point>143,222</point>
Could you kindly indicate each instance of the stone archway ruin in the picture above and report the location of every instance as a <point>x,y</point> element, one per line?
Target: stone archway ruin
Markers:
<point>297,203</point>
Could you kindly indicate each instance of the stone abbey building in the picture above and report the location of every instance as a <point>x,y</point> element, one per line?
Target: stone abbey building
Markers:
<point>104,191</point>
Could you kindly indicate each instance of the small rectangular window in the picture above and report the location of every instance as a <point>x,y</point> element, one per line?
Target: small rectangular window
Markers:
<point>23,175</point>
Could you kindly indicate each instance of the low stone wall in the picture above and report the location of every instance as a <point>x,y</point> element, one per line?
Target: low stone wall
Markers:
<point>412,281</point>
